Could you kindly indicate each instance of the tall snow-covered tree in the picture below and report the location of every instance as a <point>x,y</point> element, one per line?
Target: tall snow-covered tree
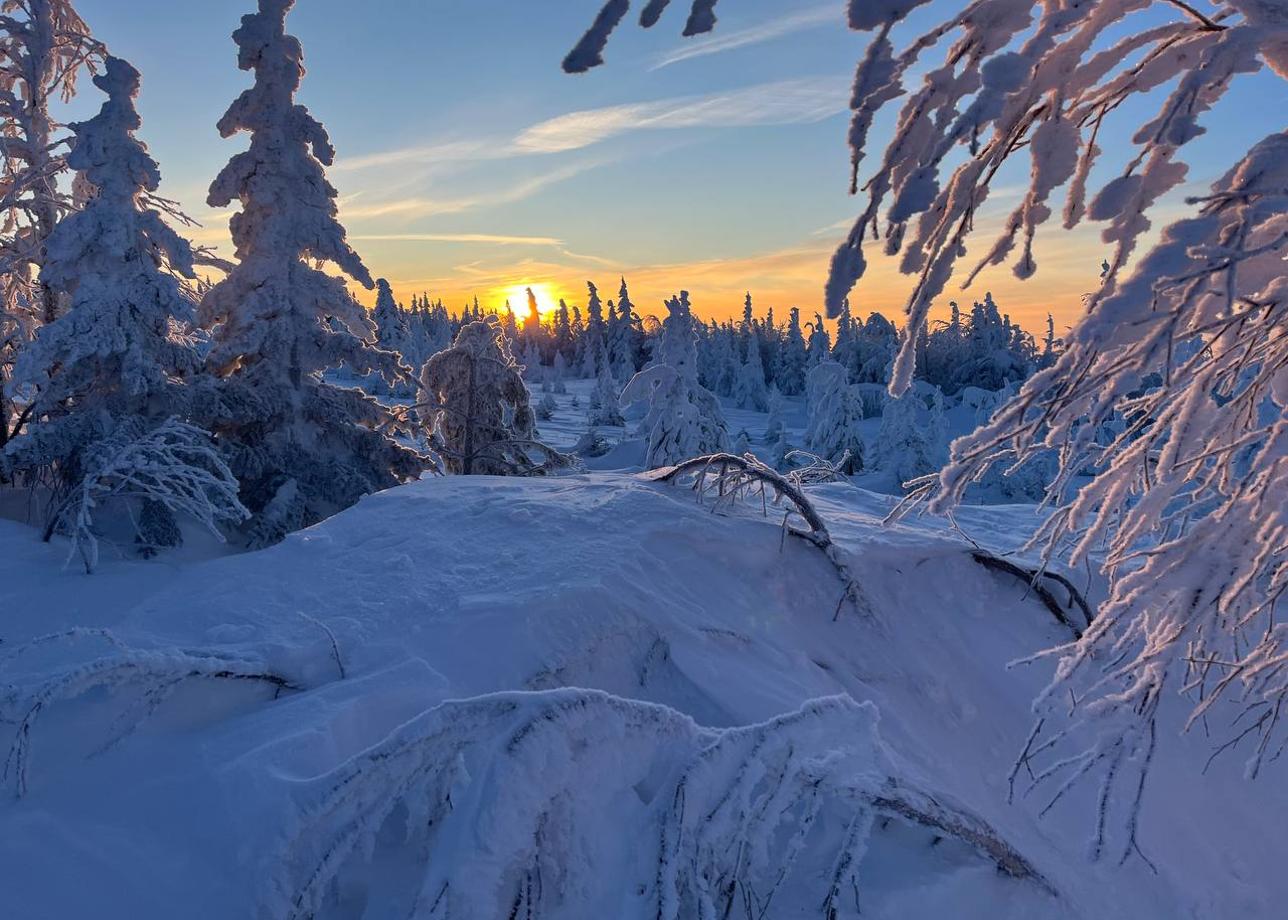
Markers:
<point>44,47</point>
<point>624,336</point>
<point>114,354</point>
<point>302,448</point>
<point>594,332</point>
<point>116,364</point>
<point>478,408</point>
<point>684,418</point>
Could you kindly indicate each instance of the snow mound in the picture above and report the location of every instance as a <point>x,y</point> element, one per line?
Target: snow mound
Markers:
<point>587,696</point>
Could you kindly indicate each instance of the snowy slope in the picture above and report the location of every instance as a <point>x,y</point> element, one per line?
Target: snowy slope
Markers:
<point>426,636</point>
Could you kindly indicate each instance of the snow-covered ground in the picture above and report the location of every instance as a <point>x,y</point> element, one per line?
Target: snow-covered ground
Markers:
<point>568,697</point>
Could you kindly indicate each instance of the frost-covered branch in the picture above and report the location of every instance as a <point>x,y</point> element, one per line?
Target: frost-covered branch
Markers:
<point>153,676</point>
<point>702,821</point>
<point>174,465</point>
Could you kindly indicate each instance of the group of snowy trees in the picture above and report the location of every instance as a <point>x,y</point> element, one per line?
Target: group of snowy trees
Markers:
<point>111,348</point>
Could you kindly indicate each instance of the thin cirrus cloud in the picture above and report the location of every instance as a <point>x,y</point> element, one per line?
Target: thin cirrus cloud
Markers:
<point>787,102</point>
<point>417,207</point>
<point>801,21</point>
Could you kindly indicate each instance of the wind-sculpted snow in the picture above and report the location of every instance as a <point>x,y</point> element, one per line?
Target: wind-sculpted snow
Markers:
<point>632,701</point>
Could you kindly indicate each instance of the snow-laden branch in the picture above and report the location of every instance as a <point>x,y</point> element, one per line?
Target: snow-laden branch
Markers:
<point>152,676</point>
<point>726,479</point>
<point>679,821</point>
<point>175,465</point>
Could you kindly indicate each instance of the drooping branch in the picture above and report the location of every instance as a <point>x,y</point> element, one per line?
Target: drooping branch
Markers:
<point>156,675</point>
<point>1033,579</point>
<point>732,478</point>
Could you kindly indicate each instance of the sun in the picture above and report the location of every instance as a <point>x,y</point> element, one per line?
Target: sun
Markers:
<point>518,298</point>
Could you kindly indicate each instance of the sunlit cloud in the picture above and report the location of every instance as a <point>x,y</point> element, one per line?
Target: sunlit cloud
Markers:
<point>801,21</point>
<point>786,102</point>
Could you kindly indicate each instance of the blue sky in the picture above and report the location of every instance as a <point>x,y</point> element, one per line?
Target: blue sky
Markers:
<point>469,163</point>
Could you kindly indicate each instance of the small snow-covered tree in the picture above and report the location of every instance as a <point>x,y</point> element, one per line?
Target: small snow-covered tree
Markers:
<point>478,409</point>
<point>835,413</point>
<point>913,439</point>
<point>605,399</point>
<point>684,418</point>
<point>280,320</point>
<point>774,426</point>
<point>116,356</point>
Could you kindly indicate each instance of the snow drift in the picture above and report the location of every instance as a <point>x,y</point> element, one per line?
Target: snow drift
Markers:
<point>579,697</point>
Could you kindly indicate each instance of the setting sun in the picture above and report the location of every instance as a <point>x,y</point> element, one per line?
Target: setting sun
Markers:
<point>517,296</point>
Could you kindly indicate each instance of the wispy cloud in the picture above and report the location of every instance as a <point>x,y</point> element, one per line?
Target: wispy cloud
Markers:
<point>486,238</point>
<point>417,207</point>
<point>447,152</point>
<point>783,103</point>
<point>800,21</point>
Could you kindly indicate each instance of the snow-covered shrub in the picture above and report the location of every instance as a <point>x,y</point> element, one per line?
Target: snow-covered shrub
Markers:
<point>546,407</point>
<point>684,417</point>
<point>117,357</point>
<point>835,413</point>
<point>173,468</point>
<point>478,408</point>
<point>279,320</point>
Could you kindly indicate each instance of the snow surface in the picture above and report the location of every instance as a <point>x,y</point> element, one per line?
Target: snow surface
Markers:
<point>457,588</point>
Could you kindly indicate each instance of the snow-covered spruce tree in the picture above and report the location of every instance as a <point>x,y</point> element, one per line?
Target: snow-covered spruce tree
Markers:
<point>115,364</point>
<point>287,432</point>
<point>391,326</point>
<point>835,413</point>
<point>624,336</point>
<point>1190,496</point>
<point>478,409</point>
<point>749,390</point>
<point>595,331</point>
<point>684,418</point>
